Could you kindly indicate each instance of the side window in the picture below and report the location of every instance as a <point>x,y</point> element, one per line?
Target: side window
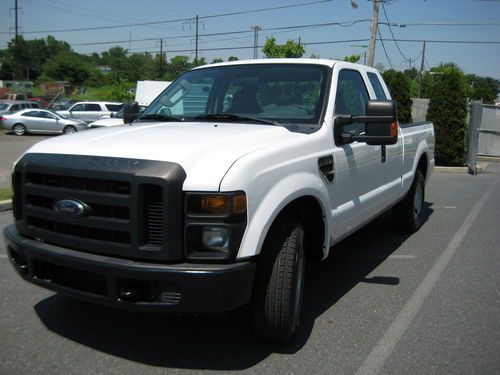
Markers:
<point>114,107</point>
<point>32,114</point>
<point>351,98</point>
<point>15,107</point>
<point>89,107</point>
<point>78,107</point>
<point>377,86</point>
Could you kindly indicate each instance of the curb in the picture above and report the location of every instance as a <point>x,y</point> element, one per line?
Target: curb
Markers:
<point>481,167</point>
<point>6,205</point>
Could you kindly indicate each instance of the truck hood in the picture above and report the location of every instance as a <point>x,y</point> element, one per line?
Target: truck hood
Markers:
<point>205,150</point>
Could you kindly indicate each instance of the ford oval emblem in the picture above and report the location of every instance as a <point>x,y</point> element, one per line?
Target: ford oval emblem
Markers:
<point>70,207</point>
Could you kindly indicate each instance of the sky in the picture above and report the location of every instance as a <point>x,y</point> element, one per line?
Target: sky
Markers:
<point>335,28</point>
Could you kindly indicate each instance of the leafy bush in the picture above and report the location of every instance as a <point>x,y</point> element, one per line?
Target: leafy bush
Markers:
<point>399,86</point>
<point>448,112</point>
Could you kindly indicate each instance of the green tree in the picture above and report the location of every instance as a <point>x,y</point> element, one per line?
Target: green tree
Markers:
<point>480,88</point>
<point>69,67</point>
<point>27,59</point>
<point>232,58</point>
<point>290,49</point>
<point>353,58</point>
<point>177,66</point>
<point>448,112</point>
<point>399,86</point>
<point>216,60</point>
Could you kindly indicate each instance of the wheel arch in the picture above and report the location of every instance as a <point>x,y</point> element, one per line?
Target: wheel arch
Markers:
<point>310,204</point>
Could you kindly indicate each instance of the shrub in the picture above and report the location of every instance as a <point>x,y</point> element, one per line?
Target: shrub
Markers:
<point>399,86</point>
<point>448,112</point>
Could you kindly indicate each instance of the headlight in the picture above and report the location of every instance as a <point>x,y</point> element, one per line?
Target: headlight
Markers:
<point>215,224</point>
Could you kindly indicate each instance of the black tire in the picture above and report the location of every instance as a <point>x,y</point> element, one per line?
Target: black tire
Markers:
<point>68,129</point>
<point>19,129</point>
<point>277,300</point>
<point>408,213</point>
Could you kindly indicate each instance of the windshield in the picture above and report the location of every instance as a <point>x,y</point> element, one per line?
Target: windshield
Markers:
<point>280,93</point>
<point>3,106</point>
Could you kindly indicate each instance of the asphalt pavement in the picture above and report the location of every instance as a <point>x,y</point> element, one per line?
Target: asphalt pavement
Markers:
<point>382,303</point>
<point>11,149</point>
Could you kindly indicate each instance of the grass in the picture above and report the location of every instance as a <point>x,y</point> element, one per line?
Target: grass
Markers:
<point>5,194</point>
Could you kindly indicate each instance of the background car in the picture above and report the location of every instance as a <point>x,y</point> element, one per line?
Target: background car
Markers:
<point>91,111</point>
<point>114,120</point>
<point>12,106</point>
<point>40,121</point>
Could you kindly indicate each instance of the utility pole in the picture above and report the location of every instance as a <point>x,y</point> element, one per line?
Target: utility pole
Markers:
<point>373,31</point>
<point>256,30</point>
<point>421,72</point>
<point>161,57</point>
<point>16,41</point>
<point>196,50</point>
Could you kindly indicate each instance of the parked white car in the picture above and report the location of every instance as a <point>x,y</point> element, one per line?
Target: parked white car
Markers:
<point>91,111</point>
<point>40,121</point>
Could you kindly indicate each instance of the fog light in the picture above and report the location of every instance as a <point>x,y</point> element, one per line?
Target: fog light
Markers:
<point>215,238</point>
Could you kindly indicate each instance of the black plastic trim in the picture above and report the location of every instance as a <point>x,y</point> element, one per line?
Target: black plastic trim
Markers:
<point>177,288</point>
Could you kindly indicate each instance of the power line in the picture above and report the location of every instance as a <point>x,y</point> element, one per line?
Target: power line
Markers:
<point>293,27</point>
<point>385,51</point>
<point>393,37</point>
<point>176,20</point>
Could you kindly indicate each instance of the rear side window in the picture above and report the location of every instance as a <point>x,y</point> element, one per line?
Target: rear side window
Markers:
<point>92,107</point>
<point>114,107</point>
<point>15,107</point>
<point>377,86</point>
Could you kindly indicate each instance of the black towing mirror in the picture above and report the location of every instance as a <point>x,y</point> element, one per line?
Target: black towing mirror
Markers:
<point>130,112</point>
<point>381,124</point>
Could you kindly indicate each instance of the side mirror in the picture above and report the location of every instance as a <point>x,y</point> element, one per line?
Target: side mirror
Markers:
<point>381,125</point>
<point>130,112</point>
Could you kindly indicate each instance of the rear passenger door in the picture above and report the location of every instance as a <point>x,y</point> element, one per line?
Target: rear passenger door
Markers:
<point>87,112</point>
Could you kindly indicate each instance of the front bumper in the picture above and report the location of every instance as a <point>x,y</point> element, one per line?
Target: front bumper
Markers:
<point>128,284</point>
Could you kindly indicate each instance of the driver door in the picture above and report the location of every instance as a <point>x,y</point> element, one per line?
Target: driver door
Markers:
<point>358,166</point>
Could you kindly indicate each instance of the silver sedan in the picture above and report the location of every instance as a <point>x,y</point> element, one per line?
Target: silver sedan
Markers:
<point>40,121</point>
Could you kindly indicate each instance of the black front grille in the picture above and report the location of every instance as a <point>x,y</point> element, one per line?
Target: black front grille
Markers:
<point>131,209</point>
<point>79,183</point>
<point>88,233</point>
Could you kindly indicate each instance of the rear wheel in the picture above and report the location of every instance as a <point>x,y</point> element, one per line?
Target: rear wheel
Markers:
<point>280,282</point>
<point>69,129</point>
<point>19,129</point>
<point>408,213</point>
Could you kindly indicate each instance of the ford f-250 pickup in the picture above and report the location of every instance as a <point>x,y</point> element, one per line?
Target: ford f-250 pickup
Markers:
<point>219,193</point>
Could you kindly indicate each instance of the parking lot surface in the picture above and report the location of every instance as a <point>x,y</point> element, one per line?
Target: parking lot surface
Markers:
<point>12,147</point>
<point>383,302</point>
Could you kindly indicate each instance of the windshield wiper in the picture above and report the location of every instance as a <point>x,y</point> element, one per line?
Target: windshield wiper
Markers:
<point>234,117</point>
<point>158,117</point>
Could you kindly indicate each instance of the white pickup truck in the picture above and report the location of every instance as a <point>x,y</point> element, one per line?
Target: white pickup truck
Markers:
<point>221,191</point>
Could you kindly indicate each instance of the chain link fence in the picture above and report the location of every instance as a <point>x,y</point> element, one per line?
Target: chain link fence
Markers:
<point>419,109</point>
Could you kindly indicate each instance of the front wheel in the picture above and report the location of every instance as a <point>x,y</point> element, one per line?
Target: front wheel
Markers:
<point>280,282</point>
<point>408,213</point>
<point>69,129</point>
<point>19,129</point>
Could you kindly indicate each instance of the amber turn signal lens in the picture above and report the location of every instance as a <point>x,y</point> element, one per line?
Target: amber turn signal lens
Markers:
<point>394,129</point>
<point>239,204</point>
<point>216,204</point>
